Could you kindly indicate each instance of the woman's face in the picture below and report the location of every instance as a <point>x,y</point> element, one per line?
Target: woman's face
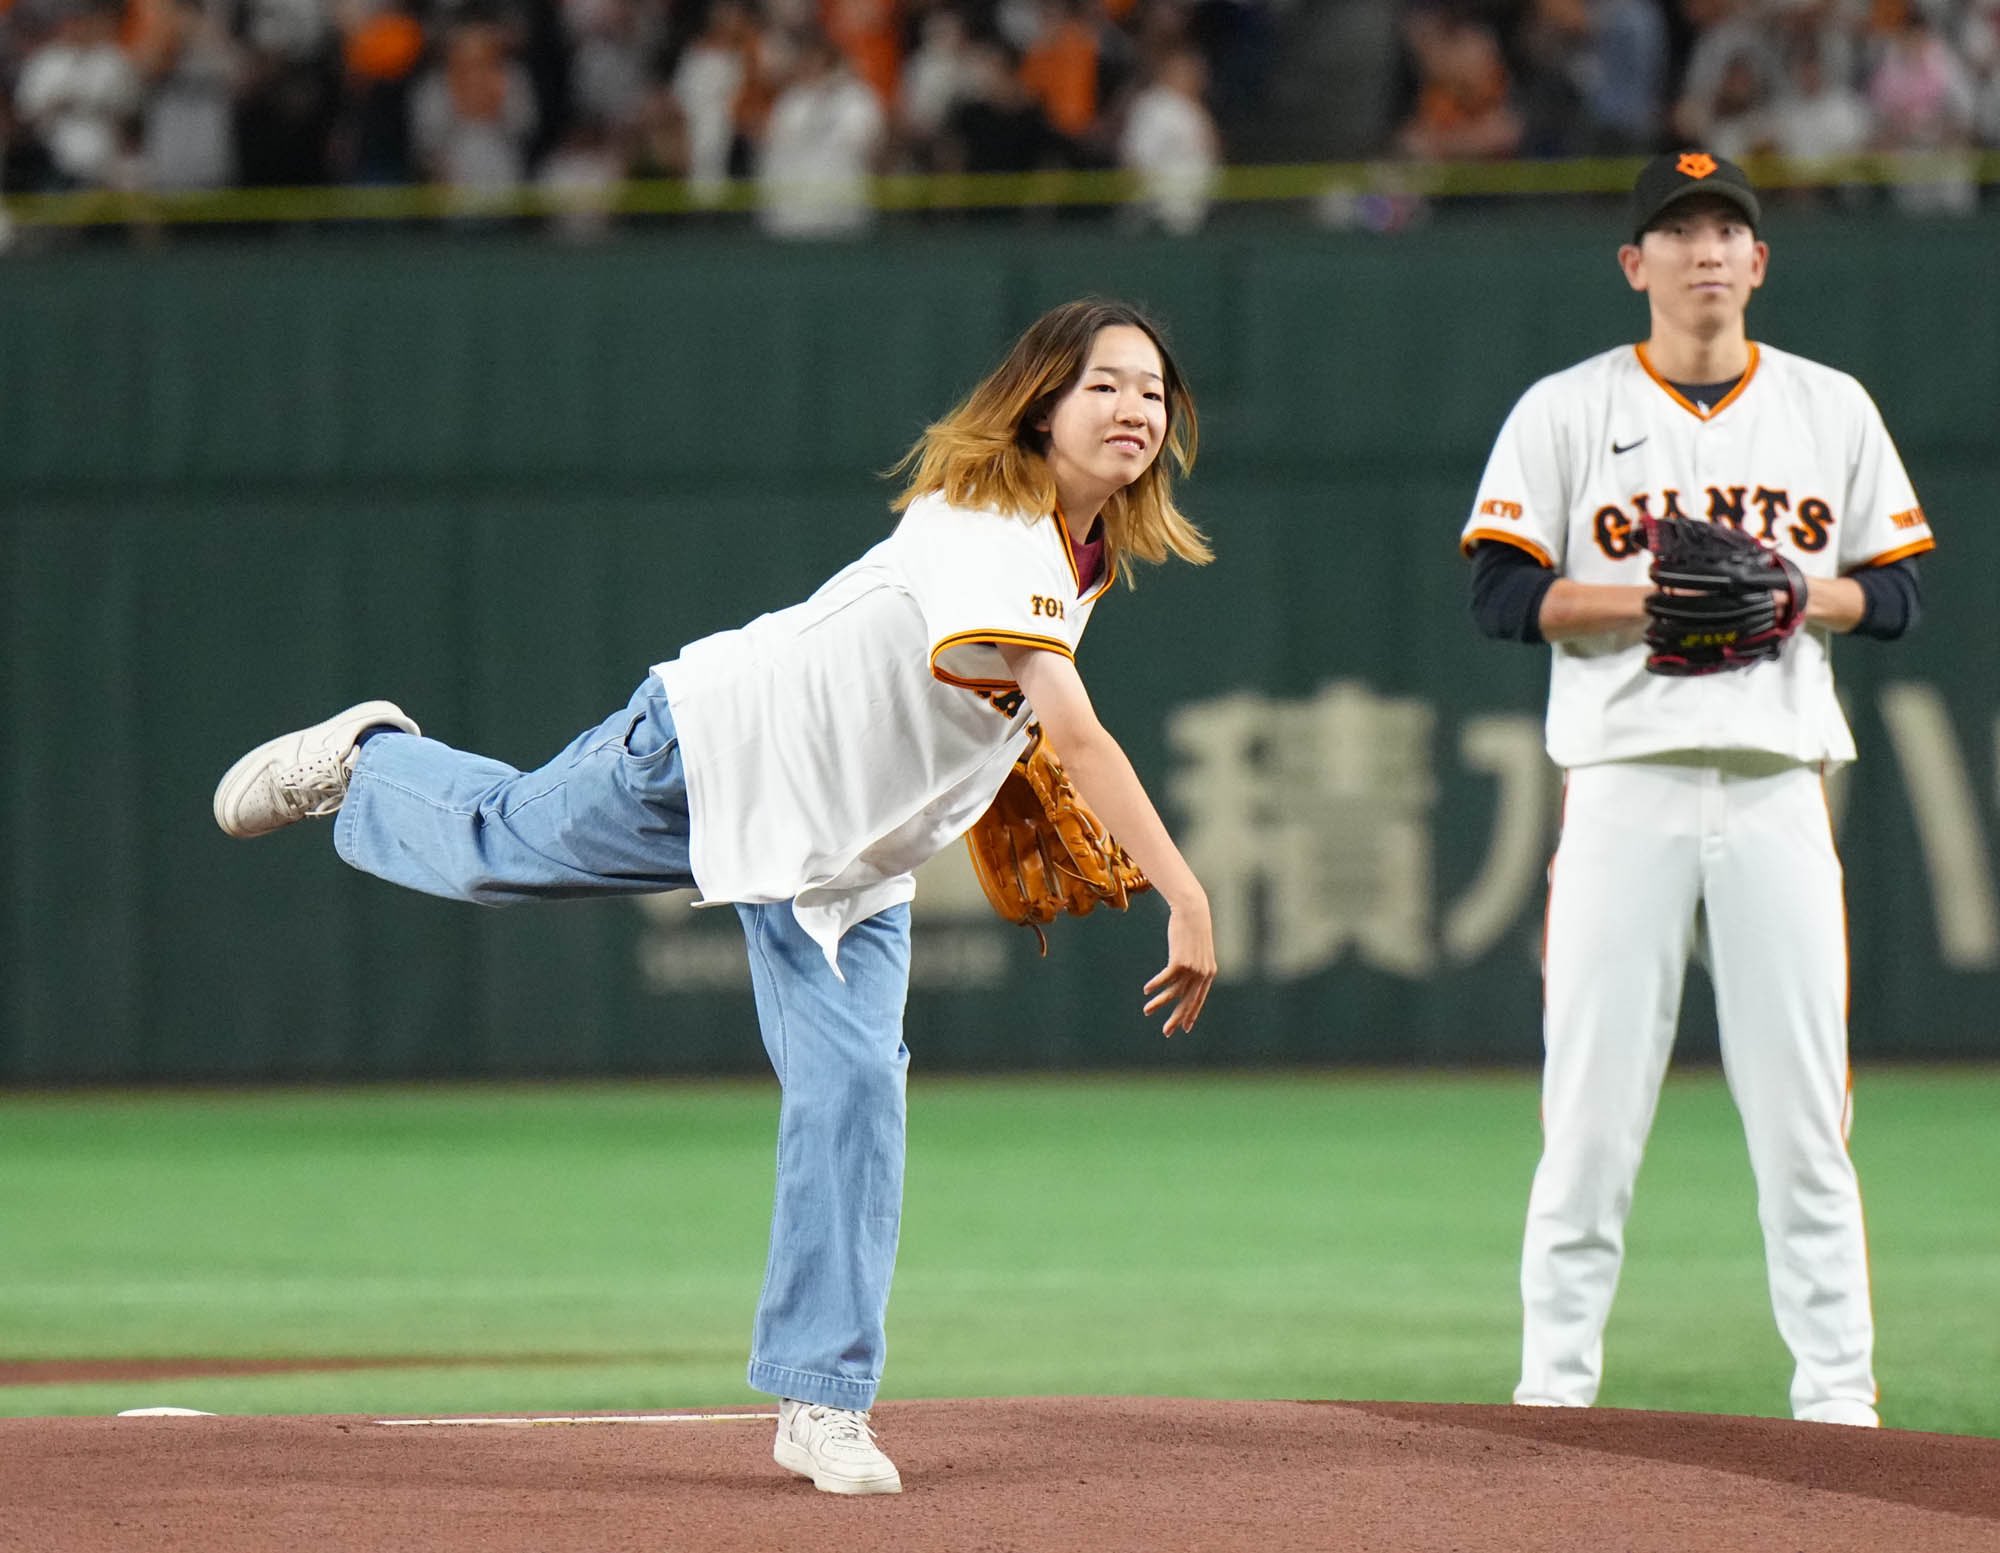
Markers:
<point>1109,427</point>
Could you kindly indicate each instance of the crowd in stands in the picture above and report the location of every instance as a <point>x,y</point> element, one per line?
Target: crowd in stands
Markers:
<point>1811,80</point>
<point>489,96</point>
<point>810,97</point>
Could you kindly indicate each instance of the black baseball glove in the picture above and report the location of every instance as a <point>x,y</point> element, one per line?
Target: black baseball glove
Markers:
<point>1721,600</point>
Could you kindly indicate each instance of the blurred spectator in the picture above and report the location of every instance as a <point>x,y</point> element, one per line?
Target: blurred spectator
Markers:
<point>659,141</point>
<point>1463,106</point>
<point>1739,124</point>
<point>75,94</point>
<point>1171,143</point>
<point>193,69</point>
<point>1817,115</point>
<point>1979,36</point>
<point>937,76</point>
<point>1727,31</point>
<point>1059,69</point>
<point>1628,79</point>
<point>716,73</point>
<point>1016,23</point>
<point>1831,29</point>
<point>472,117</point>
<point>1595,77</point>
<point>1923,100</point>
<point>1555,50</point>
<point>1980,44</point>
<point>825,132</point>
<point>607,68</point>
<point>292,30</point>
<point>581,178</point>
<point>1158,29</point>
<point>1920,90</point>
<point>380,56</point>
<point>998,126</point>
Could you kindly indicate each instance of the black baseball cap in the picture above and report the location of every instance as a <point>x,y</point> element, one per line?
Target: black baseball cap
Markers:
<point>1679,175</point>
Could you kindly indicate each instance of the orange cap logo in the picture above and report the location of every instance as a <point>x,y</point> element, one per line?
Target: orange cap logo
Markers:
<point>1695,164</point>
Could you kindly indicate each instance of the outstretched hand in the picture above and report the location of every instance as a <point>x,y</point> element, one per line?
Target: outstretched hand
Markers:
<point>1106,781</point>
<point>1182,985</point>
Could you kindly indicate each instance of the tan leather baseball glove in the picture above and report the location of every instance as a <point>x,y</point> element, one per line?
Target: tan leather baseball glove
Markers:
<point>1040,852</point>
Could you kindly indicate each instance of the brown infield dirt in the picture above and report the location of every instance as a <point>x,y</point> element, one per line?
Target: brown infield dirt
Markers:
<point>1103,1474</point>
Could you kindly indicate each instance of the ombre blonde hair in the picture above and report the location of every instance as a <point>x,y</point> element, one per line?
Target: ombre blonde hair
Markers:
<point>991,452</point>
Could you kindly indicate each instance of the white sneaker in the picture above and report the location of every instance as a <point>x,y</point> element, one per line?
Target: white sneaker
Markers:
<point>1856,1415</point>
<point>835,1448</point>
<point>298,775</point>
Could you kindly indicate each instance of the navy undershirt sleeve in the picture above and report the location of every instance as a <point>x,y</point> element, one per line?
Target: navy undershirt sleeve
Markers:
<point>1508,585</point>
<point>1892,599</point>
<point>1507,589</point>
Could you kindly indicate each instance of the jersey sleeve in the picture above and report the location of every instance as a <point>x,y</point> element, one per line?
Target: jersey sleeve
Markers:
<point>1522,499</point>
<point>984,580</point>
<point>1884,522</point>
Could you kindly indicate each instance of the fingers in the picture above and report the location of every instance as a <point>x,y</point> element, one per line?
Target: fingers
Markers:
<point>1183,989</point>
<point>1182,985</point>
<point>1191,1005</point>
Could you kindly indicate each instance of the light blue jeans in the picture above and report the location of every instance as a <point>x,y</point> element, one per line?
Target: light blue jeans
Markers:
<point>608,816</point>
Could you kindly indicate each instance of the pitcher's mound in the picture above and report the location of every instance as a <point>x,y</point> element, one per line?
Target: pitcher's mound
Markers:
<point>1104,1474</point>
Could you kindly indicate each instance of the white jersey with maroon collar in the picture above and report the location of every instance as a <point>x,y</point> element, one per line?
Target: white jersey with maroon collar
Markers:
<point>833,746</point>
<point>1796,454</point>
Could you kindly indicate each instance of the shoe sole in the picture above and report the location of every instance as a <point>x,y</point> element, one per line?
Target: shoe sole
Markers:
<point>239,776</point>
<point>796,1458</point>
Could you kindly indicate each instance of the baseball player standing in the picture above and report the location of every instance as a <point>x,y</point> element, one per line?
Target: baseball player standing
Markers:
<point>1694,817</point>
<point>801,767</point>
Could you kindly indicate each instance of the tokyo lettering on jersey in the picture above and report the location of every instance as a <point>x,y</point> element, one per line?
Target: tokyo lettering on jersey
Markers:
<point>1796,454</point>
<point>833,746</point>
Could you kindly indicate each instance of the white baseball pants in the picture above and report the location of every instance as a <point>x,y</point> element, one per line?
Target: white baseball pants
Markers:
<point>1731,856</point>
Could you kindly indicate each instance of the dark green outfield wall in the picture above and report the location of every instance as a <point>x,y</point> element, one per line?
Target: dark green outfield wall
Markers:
<point>246,486</point>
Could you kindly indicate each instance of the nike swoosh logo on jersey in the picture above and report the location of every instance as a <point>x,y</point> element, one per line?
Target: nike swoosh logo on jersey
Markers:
<point>1625,447</point>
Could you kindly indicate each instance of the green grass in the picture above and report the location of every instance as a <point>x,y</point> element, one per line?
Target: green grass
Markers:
<point>599,1247</point>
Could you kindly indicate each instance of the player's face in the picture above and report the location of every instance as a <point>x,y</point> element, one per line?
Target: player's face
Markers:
<point>1107,430</point>
<point>1697,265</point>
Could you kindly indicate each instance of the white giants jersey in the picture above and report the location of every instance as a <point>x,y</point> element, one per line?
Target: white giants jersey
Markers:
<point>1796,455</point>
<point>832,747</point>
